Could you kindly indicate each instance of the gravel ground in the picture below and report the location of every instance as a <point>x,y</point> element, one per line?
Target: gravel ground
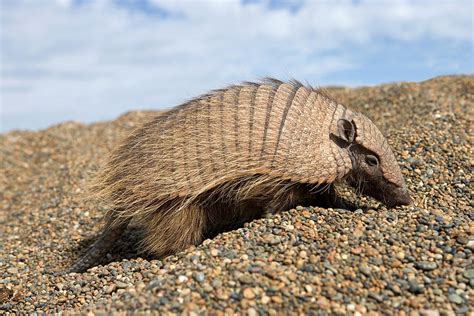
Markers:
<point>415,260</point>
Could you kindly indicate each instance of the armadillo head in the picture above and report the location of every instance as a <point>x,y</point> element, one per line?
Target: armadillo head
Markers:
<point>375,171</point>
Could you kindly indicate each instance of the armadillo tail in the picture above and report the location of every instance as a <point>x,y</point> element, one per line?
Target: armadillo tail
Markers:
<point>99,248</point>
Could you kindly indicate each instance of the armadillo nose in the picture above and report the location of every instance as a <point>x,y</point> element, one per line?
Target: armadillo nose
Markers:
<point>406,200</point>
<point>403,197</point>
<point>399,196</point>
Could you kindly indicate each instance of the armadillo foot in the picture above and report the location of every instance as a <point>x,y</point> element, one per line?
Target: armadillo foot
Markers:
<point>98,249</point>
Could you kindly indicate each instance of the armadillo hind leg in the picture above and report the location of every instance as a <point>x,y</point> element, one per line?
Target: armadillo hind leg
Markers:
<point>99,248</point>
<point>174,229</point>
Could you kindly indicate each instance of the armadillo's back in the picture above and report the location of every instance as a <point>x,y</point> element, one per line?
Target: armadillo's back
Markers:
<point>278,129</point>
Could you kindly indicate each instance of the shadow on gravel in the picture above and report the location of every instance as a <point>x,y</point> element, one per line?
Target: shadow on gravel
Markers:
<point>127,247</point>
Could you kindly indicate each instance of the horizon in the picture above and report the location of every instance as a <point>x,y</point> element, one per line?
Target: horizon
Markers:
<point>92,61</point>
<point>166,108</point>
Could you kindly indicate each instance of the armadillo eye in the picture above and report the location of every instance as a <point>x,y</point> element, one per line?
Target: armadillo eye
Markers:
<point>371,160</point>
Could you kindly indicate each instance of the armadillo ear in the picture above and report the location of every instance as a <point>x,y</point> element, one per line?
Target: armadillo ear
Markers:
<point>346,130</point>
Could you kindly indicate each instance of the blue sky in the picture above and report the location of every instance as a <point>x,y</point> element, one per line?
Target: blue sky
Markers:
<point>94,60</point>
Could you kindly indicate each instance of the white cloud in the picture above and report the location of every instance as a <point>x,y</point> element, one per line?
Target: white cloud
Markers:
<point>92,61</point>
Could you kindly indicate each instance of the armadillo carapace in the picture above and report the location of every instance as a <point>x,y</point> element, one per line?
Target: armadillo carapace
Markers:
<point>234,154</point>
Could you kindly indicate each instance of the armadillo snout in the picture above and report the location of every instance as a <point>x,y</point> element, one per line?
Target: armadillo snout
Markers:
<point>400,196</point>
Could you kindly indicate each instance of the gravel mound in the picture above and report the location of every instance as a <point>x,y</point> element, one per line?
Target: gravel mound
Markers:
<point>415,260</point>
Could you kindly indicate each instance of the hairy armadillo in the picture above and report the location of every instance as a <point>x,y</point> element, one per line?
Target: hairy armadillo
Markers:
<point>235,154</point>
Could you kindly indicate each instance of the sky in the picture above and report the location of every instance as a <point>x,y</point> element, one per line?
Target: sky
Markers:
<point>90,61</point>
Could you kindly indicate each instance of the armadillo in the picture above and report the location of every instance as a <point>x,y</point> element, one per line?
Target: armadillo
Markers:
<point>237,154</point>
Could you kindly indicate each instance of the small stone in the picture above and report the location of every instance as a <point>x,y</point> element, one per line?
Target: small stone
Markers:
<point>414,287</point>
<point>214,252</point>
<point>207,288</point>
<point>126,265</point>
<point>222,295</point>
<point>400,255</point>
<point>248,293</point>
<point>111,288</point>
<point>429,312</point>
<point>156,283</point>
<point>140,286</point>
<point>469,274</point>
<point>246,279</point>
<point>199,277</point>
<point>131,290</point>
<point>470,244</point>
<point>121,285</point>
<point>358,233</point>
<point>252,312</point>
<point>361,309</point>
<point>395,288</point>
<point>274,241</point>
<point>462,239</point>
<point>182,279</point>
<point>277,299</point>
<point>426,265</point>
<point>265,300</point>
<point>217,283</point>
<point>455,298</point>
<point>365,270</point>
<point>12,270</point>
<point>371,307</point>
<point>292,276</point>
<point>377,297</point>
<point>290,227</point>
<point>303,254</point>
<point>396,263</point>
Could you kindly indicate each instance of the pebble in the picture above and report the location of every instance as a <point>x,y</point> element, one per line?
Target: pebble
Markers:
<point>111,288</point>
<point>182,279</point>
<point>379,298</point>
<point>121,285</point>
<point>12,270</point>
<point>200,277</point>
<point>469,274</point>
<point>429,312</point>
<point>365,270</point>
<point>246,279</point>
<point>453,297</point>
<point>265,300</point>
<point>415,287</point>
<point>249,294</point>
<point>470,245</point>
<point>462,239</point>
<point>252,312</point>
<point>400,255</point>
<point>414,260</point>
<point>426,265</point>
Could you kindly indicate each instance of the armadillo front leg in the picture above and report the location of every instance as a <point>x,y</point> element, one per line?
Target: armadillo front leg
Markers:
<point>99,248</point>
<point>331,199</point>
<point>303,195</point>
